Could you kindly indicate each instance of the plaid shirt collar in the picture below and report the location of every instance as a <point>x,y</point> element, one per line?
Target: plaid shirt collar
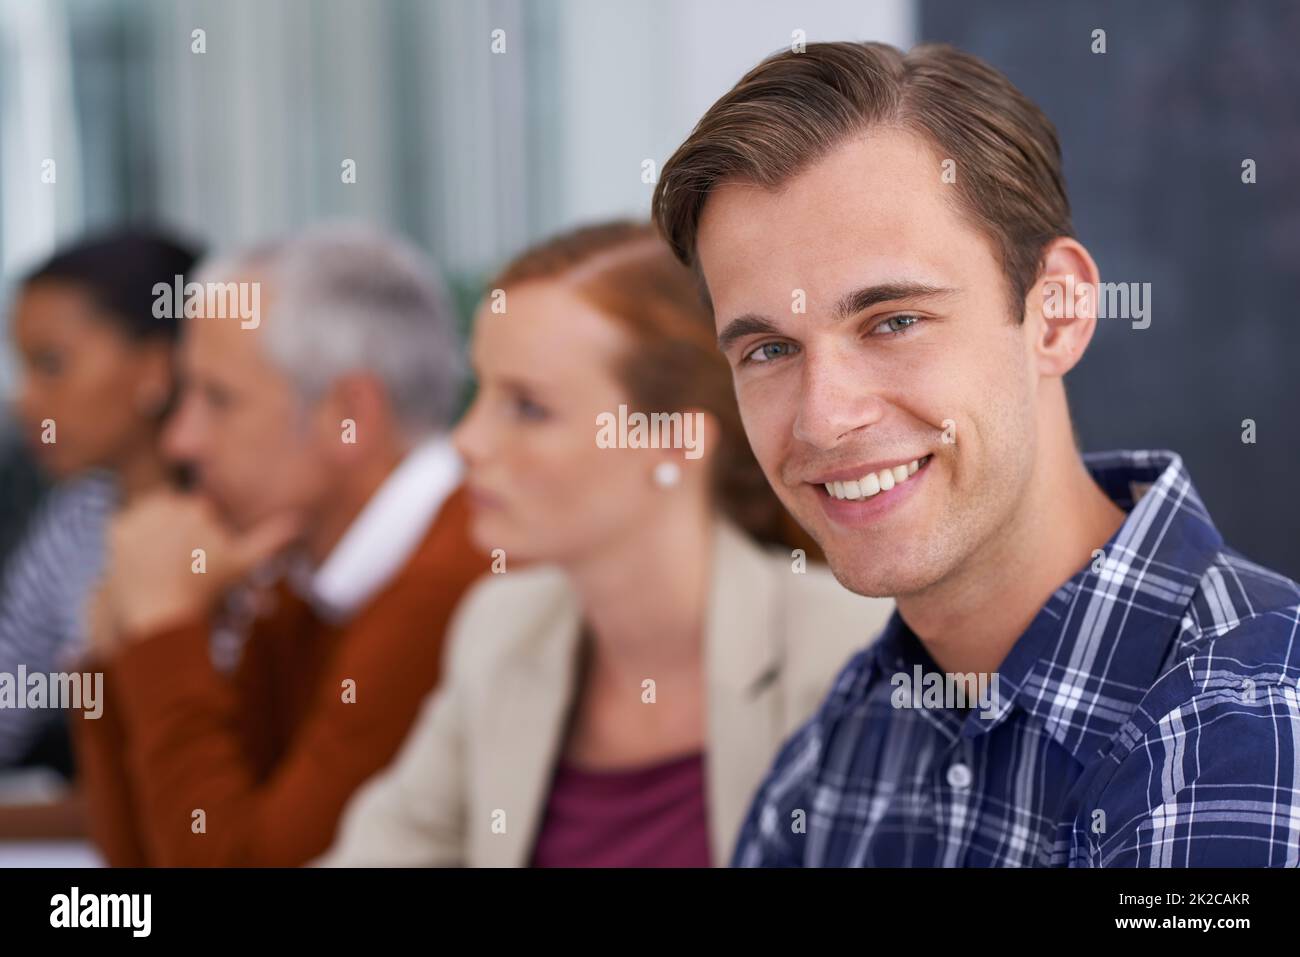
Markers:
<point>1082,697</point>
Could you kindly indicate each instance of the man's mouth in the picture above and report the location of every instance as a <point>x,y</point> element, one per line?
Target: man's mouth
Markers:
<point>871,484</point>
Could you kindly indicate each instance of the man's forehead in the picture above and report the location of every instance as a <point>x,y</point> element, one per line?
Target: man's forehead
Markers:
<point>873,180</point>
<point>220,348</point>
<point>873,209</point>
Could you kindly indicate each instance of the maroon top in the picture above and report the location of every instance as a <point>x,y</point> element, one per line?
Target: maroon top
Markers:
<point>646,817</point>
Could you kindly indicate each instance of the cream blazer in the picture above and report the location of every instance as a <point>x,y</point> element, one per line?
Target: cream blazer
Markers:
<point>470,784</point>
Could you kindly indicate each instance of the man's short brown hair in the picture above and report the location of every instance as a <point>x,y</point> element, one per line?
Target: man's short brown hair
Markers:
<point>793,108</point>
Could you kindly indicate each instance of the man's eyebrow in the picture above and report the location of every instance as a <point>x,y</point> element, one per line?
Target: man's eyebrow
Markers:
<point>862,299</point>
<point>742,326</point>
<point>849,305</point>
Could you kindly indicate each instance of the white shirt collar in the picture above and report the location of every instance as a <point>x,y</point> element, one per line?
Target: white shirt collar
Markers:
<point>387,531</point>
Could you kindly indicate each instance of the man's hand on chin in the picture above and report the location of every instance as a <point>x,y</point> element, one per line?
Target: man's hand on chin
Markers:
<point>170,557</point>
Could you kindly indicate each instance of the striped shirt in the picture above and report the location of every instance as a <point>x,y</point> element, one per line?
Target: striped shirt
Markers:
<point>1148,716</point>
<point>47,584</point>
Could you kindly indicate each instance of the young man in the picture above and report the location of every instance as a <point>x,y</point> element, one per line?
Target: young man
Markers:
<point>316,425</point>
<point>881,236</point>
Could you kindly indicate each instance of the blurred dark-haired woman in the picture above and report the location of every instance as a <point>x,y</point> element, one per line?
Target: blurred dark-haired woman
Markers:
<point>97,383</point>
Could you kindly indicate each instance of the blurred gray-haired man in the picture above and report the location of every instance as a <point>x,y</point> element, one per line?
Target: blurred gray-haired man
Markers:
<point>316,430</point>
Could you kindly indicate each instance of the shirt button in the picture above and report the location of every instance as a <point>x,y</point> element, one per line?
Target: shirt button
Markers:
<point>959,776</point>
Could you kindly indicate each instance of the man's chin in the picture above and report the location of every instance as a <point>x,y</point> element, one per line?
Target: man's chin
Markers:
<point>238,520</point>
<point>872,577</point>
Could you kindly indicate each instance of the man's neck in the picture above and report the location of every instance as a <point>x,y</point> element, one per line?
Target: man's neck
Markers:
<point>346,502</point>
<point>969,621</point>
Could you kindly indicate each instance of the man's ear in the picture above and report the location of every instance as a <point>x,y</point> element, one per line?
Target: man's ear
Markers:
<point>1062,306</point>
<point>353,414</point>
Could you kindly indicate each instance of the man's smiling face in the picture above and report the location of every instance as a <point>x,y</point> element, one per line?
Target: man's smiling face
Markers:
<point>905,340</point>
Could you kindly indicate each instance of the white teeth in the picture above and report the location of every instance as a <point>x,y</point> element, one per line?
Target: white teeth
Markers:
<point>873,483</point>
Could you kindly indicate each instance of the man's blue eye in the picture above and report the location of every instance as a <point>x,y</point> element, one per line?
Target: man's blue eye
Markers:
<point>906,323</point>
<point>762,353</point>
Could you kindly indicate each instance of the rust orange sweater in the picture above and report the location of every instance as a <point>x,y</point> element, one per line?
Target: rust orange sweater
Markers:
<point>271,753</point>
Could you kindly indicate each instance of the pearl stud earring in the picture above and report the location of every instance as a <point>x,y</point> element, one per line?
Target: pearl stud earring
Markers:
<point>667,474</point>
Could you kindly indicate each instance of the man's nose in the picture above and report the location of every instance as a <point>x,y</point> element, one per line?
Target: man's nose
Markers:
<point>836,399</point>
<point>182,438</point>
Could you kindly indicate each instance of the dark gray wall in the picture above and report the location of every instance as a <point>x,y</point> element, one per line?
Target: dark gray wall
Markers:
<point>1154,132</point>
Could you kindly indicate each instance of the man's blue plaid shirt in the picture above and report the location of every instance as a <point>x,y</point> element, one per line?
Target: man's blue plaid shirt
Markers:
<point>1149,716</point>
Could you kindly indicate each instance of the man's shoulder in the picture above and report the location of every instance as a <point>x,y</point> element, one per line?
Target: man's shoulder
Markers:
<point>806,747</point>
<point>823,742</point>
<point>1240,600</point>
<point>446,551</point>
<point>1241,616</point>
<point>1235,656</point>
<point>1193,776</point>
